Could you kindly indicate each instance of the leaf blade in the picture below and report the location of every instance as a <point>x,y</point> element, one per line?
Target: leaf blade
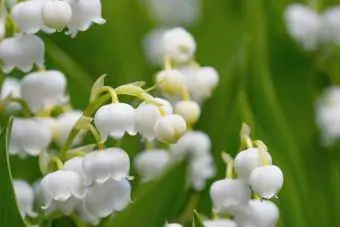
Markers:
<point>196,221</point>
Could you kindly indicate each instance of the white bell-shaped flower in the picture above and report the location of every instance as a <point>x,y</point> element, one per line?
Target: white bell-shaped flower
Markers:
<point>84,13</point>
<point>22,51</point>
<point>331,25</point>
<point>303,25</point>
<point>64,125</point>
<point>229,194</point>
<point>25,198</point>
<point>27,15</point>
<point>104,199</point>
<point>115,119</point>
<point>100,166</point>
<point>201,169</point>
<point>172,225</point>
<point>11,87</point>
<point>29,136</point>
<point>246,161</point>
<point>62,190</point>
<point>200,81</point>
<point>45,88</point>
<point>170,128</point>
<point>170,81</point>
<point>151,163</point>
<point>152,44</point>
<point>179,45</point>
<point>266,180</point>
<point>56,13</point>
<point>220,223</point>
<point>194,143</point>
<point>85,215</point>
<point>148,114</point>
<point>189,110</point>
<point>259,213</point>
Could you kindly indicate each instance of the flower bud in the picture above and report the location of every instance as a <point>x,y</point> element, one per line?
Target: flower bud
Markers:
<point>229,194</point>
<point>114,120</point>
<point>170,81</point>
<point>25,198</point>
<point>151,163</point>
<point>41,89</point>
<point>61,190</point>
<point>266,180</point>
<point>100,166</point>
<point>179,45</point>
<point>22,51</point>
<point>29,136</point>
<point>170,128</point>
<point>148,114</point>
<point>246,161</point>
<point>220,223</point>
<point>189,110</point>
<point>56,14</point>
<point>103,199</point>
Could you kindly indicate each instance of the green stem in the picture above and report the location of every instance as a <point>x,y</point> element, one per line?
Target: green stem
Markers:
<point>96,136</point>
<point>191,205</point>
<point>58,162</point>
<point>26,110</point>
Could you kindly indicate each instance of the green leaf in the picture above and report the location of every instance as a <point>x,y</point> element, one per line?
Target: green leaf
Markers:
<point>154,202</point>
<point>196,221</point>
<point>100,82</point>
<point>9,212</point>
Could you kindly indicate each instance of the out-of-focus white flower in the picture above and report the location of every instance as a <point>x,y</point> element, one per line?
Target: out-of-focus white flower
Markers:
<point>259,213</point>
<point>266,180</point>
<point>303,25</point>
<point>330,30</point>
<point>29,136</point>
<point>194,143</point>
<point>246,161</point>
<point>175,12</point>
<point>45,88</point>
<point>173,225</point>
<point>84,13</point>
<point>179,45</point>
<point>153,48</point>
<point>63,126</point>
<point>151,163</point>
<point>328,115</point>
<point>229,194</point>
<point>100,166</point>
<point>220,223</point>
<point>148,114</point>
<point>189,110</point>
<point>11,87</point>
<point>103,199</point>
<point>27,15</point>
<point>170,81</point>
<point>115,119</point>
<point>25,198</point>
<point>201,169</point>
<point>200,81</point>
<point>170,128</point>
<point>56,13</point>
<point>22,51</point>
<point>61,190</point>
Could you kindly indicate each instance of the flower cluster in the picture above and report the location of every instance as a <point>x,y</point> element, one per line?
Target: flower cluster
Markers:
<point>246,198</point>
<point>92,181</point>
<point>311,29</point>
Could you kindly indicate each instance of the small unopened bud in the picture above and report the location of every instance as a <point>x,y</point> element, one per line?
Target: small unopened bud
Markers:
<point>170,81</point>
<point>189,110</point>
<point>170,128</point>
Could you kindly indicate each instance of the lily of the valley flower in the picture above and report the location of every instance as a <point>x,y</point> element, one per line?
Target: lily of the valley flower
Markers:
<point>45,88</point>
<point>220,223</point>
<point>63,126</point>
<point>56,13</point>
<point>61,191</point>
<point>25,198</point>
<point>22,51</point>
<point>189,110</point>
<point>114,120</point>
<point>111,163</point>
<point>170,128</point>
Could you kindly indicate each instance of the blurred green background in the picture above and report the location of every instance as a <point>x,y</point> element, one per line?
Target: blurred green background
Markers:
<point>265,81</point>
